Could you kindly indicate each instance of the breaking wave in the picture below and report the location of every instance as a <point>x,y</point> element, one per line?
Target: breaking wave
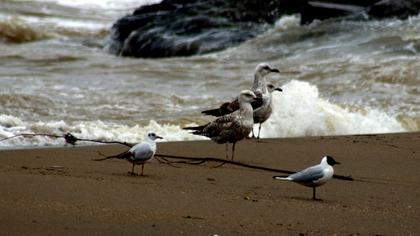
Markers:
<point>15,30</point>
<point>298,111</point>
<point>99,130</point>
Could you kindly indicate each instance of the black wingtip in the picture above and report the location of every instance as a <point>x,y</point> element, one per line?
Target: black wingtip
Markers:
<point>191,128</point>
<point>214,112</point>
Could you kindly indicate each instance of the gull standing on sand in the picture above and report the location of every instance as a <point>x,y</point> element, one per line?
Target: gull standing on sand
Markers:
<point>313,176</point>
<point>232,127</point>
<point>262,107</point>
<point>139,153</point>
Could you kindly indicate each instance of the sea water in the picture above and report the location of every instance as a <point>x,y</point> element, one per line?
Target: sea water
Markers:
<point>338,77</point>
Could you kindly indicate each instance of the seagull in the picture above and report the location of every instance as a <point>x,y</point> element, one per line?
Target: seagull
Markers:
<point>232,127</point>
<point>262,107</point>
<point>139,153</point>
<point>271,88</point>
<point>313,176</point>
<point>260,116</point>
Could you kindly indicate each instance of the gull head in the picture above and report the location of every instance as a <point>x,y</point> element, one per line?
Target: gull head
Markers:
<point>247,96</point>
<point>264,69</point>
<point>152,136</point>
<point>329,160</point>
<point>271,88</point>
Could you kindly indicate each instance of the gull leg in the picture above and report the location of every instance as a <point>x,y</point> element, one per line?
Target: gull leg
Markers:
<point>252,132</point>
<point>313,193</point>
<point>142,168</point>
<point>233,150</point>
<point>132,170</point>
<point>259,130</point>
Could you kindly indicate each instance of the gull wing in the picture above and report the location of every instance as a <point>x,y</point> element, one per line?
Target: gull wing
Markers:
<point>259,101</point>
<point>308,175</point>
<point>141,152</point>
<point>225,108</point>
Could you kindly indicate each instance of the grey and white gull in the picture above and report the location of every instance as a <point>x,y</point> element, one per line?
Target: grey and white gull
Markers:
<point>262,106</point>
<point>313,176</point>
<point>140,153</point>
<point>271,88</point>
<point>232,127</point>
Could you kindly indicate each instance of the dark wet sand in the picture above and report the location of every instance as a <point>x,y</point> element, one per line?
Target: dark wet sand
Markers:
<point>99,198</point>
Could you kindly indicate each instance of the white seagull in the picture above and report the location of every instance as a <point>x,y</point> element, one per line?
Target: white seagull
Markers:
<point>262,107</point>
<point>313,176</point>
<point>271,88</point>
<point>139,153</point>
<point>232,127</point>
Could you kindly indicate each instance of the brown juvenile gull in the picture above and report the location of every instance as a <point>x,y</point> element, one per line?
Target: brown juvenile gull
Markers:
<point>139,153</point>
<point>232,127</point>
<point>313,176</point>
<point>262,106</point>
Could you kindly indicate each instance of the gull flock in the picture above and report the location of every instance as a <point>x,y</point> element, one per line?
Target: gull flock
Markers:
<point>235,122</point>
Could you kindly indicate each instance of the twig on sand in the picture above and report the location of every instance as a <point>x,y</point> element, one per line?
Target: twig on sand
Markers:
<point>68,137</point>
<point>163,158</point>
<point>201,160</point>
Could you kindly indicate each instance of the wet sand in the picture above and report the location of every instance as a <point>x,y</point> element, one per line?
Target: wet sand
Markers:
<point>61,191</point>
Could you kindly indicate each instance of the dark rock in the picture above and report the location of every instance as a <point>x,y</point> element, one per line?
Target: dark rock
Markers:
<point>401,9</point>
<point>191,27</point>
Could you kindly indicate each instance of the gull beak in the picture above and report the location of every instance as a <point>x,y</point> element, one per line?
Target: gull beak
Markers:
<point>274,70</point>
<point>278,89</point>
<point>158,137</point>
<point>337,163</point>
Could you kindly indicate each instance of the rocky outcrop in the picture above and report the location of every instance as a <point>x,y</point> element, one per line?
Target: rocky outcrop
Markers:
<point>394,8</point>
<point>191,27</point>
<point>188,27</point>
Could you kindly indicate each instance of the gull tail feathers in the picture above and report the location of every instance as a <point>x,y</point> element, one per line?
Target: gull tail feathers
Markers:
<point>196,128</point>
<point>282,177</point>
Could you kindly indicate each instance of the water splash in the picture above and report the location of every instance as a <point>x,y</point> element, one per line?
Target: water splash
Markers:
<point>301,111</point>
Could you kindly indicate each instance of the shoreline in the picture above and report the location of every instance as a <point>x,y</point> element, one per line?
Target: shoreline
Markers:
<point>81,196</point>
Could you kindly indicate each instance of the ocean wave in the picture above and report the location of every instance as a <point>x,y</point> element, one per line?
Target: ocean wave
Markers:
<point>298,111</point>
<point>287,22</point>
<point>27,28</point>
<point>301,111</point>
<point>99,130</point>
<point>105,4</point>
<point>15,30</point>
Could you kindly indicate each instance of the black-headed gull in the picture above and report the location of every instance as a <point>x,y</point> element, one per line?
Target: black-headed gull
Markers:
<point>313,176</point>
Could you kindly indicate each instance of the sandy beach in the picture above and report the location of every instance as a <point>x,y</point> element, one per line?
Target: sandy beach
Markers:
<point>61,191</point>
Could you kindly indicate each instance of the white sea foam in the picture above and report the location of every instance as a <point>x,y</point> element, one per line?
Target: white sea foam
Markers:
<point>103,15</point>
<point>287,22</point>
<point>10,125</point>
<point>300,111</point>
<point>105,4</point>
